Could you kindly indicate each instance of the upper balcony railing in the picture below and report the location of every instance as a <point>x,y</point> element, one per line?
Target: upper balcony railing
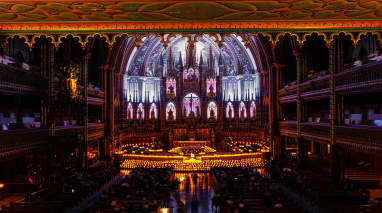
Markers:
<point>15,80</point>
<point>26,140</point>
<point>361,79</point>
<point>22,140</point>
<point>362,135</point>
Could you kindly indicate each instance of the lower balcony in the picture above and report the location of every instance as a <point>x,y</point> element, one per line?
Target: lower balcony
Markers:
<point>352,136</point>
<point>22,141</point>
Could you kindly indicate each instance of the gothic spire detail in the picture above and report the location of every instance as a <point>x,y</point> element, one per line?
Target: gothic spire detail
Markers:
<point>170,64</point>
<point>210,63</point>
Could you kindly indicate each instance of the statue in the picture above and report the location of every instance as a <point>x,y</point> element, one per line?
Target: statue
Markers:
<point>170,115</point>
<point>212,114</point>
<point>171,89</point>
<point>230,112</point>
<point>197,110</point>
<point>211,92</point>
<point>139,114</point>
<point>68,76</point>
<point>242,113</point>
<point>152,114</point>
<point>128,114</point>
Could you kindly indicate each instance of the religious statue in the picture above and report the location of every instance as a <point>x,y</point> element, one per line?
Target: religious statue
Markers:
<point>212,114</point>
<point>68,76</point>
<point>171,89</point>
<point>170,115</point>
<point>128,114</point>
<point>139,114</point>
<point>153,114</point>
<point>211,92</point>
<point>197,110</point>
<point>230,112</point>
<point>242,112</point>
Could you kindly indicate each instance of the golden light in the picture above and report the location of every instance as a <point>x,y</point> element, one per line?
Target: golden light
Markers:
<point>181,178</point>
<point>2,185</point>
<point>164,210</point>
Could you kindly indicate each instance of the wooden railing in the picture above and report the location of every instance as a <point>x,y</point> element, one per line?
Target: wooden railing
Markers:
<point>96,131</point>
<point>22,140</point>
<point>356,135</point>
<point>368,136</point>
<point>27,140</point>
<point>14,80</point>
<point>317,131</point>
<point>288,128</point>
<point>365,78</point>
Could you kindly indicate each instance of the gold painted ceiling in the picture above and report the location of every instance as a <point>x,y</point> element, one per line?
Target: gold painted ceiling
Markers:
<point>65,11</point>
<point>32,11</point>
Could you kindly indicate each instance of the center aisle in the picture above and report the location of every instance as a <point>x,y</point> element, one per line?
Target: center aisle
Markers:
<point>195,193</point>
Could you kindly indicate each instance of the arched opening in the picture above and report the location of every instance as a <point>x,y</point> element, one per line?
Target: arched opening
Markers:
<point>212,111</point>
<point>191,105</point>
<point>229,111</point>
<point>170,112</point>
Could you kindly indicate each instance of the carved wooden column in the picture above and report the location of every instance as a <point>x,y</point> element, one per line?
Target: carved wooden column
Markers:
<point>300,143</point>
<point>163,104</point>
<point>52,116</point>
<point>84,67</point>
<point>335,65</point>
<point>332,89</point>
<point>274,109</point>
<point>110,112</point>
<point>271,92</point>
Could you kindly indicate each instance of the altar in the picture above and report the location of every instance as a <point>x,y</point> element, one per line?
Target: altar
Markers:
<point>191,143</point>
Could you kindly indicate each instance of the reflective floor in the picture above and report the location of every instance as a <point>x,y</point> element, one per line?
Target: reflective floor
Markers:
<point>195,193</point>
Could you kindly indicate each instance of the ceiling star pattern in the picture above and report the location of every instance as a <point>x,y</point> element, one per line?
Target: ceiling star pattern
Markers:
<point>108,11</point>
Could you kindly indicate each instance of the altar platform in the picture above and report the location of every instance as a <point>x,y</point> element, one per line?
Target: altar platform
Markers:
<point>191,143</point>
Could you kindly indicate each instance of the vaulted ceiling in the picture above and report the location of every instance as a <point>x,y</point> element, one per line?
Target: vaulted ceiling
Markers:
<point>185,11</point>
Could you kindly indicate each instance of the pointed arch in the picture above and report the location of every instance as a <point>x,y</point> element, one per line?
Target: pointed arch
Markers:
<point>242,111</point>
<point>229,111</point>
<point>130,111</point>
<point>153,111</point>
<point>170,112</point>
<point>252,112</point>
<point>212,111</point>
<point>140,112</point>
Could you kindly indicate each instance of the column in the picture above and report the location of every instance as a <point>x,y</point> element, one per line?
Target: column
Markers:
<point>84,67</point>
<point>110,112</point>
<point>52,122</point>
<point>300,141</point>
<point>335,65</point>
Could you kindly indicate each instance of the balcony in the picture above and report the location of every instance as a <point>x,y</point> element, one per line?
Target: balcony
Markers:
<point>360,136</point>
<point>95,96</point>
<point>22,141</point>
<point>17,81</point>
<point>288,128</point>
<point>355,80</point>
<point>96,131</point>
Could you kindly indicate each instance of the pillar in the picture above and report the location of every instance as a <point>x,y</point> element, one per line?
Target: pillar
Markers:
<point>301,146</point>
<point>335,65</point>
<point>84,67</point>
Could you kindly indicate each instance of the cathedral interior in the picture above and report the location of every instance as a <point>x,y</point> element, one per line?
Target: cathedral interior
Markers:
<point>191,106</point>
